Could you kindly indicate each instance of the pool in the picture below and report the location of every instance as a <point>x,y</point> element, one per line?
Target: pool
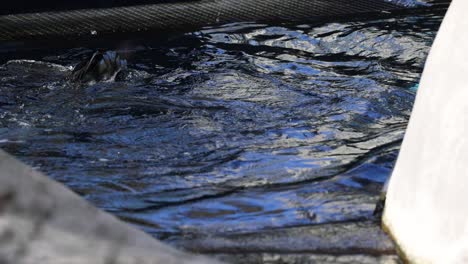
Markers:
<point>222,139</point>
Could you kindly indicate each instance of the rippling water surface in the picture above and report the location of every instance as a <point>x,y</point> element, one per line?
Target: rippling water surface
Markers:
<point>231,129</point>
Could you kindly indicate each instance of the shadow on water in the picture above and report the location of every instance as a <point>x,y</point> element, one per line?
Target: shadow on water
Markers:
<point>228,130</point>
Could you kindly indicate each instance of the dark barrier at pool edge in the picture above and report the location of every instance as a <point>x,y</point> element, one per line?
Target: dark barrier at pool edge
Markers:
<point>175,16</point>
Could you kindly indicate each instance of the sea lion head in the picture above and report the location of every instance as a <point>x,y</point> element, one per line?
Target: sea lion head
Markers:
<point>101,66</point>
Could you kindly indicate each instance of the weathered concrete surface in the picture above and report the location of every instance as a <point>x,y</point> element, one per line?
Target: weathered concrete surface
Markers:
<point>340,238</point>
<point>350,242</point>
<point>271,258</point>
<point>426,201</point>
<point>43,222</point>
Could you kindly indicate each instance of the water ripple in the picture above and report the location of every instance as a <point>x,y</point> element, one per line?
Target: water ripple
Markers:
<point>236,128</point>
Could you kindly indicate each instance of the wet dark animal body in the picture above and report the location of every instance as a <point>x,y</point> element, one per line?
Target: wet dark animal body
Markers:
<point>101,66</point>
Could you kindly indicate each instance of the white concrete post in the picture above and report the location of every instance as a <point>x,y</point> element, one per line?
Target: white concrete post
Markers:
<point>427,200</point>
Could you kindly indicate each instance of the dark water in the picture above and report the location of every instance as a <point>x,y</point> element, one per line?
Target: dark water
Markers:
<point>237,128</point>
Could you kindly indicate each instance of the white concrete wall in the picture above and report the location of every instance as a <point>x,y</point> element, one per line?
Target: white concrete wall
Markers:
<point>427,201</point>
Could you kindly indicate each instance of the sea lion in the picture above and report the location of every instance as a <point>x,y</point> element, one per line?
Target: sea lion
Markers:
<point>102,66</point>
